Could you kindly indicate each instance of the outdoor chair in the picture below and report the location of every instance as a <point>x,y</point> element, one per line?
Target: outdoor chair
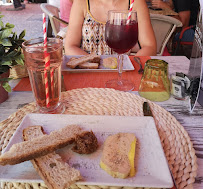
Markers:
<point>164,27</point>
<point>183,45</point>
<point>180,43</point>
<point>54,21</point>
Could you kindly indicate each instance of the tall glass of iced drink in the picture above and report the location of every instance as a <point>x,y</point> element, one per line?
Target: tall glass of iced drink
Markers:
<point>45,80</point>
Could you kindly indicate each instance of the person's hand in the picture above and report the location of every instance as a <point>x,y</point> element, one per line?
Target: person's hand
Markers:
<point>158,4</point>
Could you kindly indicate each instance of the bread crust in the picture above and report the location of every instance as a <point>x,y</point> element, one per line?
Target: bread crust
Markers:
<point>52,181</point>
<point>89,65</point>
<point>74,62</point>
<point>41,145</point>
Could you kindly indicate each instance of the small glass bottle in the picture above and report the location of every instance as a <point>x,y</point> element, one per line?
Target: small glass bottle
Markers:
<point>155,84</point>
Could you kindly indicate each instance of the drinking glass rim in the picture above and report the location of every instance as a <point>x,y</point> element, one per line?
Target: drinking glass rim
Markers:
<point>159,61</point>
<point>149,63</point>
<point>28,44</point>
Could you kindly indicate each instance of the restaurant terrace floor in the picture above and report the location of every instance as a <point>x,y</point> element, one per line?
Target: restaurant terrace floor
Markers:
<point>29,19</point>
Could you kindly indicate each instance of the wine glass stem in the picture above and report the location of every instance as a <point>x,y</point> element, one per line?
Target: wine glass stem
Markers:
<point>120,67</point>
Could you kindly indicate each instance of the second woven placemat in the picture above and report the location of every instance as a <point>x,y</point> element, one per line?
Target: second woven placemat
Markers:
<point>176,143</point>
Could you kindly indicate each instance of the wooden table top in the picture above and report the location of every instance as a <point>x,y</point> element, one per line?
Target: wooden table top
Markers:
<point>192,122</point>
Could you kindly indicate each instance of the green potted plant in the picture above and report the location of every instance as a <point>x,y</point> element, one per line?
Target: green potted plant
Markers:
<point>10,55</point>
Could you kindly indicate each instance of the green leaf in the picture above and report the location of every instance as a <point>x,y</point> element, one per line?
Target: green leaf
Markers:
<point>5,79</point>
<point>3,69</point>
<point>10,78</point>
<point>22,35</point>
<point>10,47</point>
<point>2,50</point>
<point>8,25</point>
<point>6,33</point>
<point>6,42</point>
<point>8,63</point>
<point>7,87</point>
<point>1,24</point>
<point>14,36</point>
<point>22,56</point>
<point>19,42</point>
<point>12,54</point>
<point>19,61</point>
<point>1,34</point>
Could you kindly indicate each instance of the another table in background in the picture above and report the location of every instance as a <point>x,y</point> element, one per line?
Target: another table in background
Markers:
<point>166,12</point>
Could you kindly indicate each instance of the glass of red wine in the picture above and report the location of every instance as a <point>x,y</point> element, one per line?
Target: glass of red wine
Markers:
<point>121,35</point>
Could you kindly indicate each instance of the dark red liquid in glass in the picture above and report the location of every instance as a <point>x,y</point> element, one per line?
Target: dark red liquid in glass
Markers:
<point>121,38</point>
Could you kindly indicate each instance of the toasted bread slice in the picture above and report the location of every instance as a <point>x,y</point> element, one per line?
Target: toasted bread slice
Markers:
<point>96,59</point>
<point>73,63</point>
<point>41,145</point>
<point>89,65</point>
<point>56,173</point>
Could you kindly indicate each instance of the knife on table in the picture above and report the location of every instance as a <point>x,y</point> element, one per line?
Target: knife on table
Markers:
<point>147,112</point>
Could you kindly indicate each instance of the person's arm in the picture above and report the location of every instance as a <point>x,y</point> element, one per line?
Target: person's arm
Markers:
<point>74,33</point>
<point>146,35</point>
<point>162,5</point>
<point>183,8</point>
<point>184,17</point>
<point>170,4</point>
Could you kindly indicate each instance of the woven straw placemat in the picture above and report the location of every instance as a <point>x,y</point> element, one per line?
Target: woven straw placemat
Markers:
<point>176,143</point>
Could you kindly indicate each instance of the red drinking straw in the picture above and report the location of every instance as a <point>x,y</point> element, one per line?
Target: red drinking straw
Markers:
<point>52,82</point>
<point>130,12</point>
<point>47,62</point>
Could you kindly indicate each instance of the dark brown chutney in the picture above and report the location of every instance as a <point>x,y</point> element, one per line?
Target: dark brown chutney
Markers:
<point>85,143</point>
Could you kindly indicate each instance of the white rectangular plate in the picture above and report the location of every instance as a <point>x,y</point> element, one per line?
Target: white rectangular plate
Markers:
<point>150,162</point>
<point>127,65</point>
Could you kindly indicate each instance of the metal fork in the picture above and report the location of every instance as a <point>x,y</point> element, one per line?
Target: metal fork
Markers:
<point>141,70</point>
